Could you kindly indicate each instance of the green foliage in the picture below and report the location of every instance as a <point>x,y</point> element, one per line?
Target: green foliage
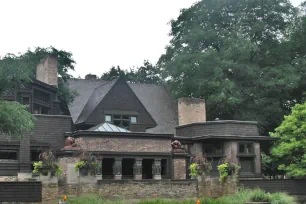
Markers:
<point>15,119</point>
<point>260,196</point>
<point>227,169</point>
<point>240,197</point>
<point>223,171</point>
<point>147,73</point>
<point>92,199</point>
<point>47,163</point>
<point>290,150</point>
<point>79,165</point>
<point>246,58</point>
<point>193,169</point>
<point>26,64</point>
<point>92,166</point>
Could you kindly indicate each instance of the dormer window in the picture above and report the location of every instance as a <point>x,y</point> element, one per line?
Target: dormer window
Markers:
<point>108,118</point>
<point>121,120</point>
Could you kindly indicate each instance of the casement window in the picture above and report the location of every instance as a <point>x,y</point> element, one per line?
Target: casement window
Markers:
<point>8,155</point>
<point>246,148</point>
<point>121,120</point>
<point>213,148</point>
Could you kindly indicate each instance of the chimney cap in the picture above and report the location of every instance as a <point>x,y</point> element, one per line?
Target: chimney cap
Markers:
<point>91,76</point>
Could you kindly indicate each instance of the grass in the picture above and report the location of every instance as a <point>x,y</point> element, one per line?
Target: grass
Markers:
<point>240,197</point>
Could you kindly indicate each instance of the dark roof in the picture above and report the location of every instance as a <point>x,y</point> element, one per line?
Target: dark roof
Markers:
<point>155,98</point>
<point>160,104</point>
<point>85,89</point>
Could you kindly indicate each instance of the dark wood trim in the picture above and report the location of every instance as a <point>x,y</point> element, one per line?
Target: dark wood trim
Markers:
<point>143,135</point>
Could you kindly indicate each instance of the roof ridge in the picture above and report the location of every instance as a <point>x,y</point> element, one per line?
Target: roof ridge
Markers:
<point>90,99</point>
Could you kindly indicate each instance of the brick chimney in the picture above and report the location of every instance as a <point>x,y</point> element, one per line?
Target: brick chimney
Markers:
<point>191,110</point>
<point>91,77</point>
<point>47,71</point>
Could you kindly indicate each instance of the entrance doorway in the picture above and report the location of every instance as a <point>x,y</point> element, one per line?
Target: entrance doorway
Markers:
<point>147,168</point>
<point>107,168</point>
<point>127,168</point>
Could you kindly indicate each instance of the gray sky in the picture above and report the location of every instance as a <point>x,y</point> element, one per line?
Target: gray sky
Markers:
<point>99,33</point>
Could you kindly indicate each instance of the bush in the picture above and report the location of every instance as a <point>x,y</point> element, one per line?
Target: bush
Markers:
<point>260,196</point>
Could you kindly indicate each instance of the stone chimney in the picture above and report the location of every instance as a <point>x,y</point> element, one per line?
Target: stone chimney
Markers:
<point>191,110</point>
<point>91,77</point>
<point>47,71</point>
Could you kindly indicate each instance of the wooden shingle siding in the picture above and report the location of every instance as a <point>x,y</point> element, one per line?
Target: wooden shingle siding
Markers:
<point>20,192</point>
<point>290,186</point>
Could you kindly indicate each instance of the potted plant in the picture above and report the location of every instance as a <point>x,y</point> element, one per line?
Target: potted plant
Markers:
<point>86,164</point>
<point>47,164</point>
<point>227,169</point>
<point>200,166</point>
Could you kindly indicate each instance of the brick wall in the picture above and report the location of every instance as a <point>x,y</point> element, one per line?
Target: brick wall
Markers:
<point>124,144</point>
<point>179,168</point>
<point>191,110</point>
<point>47,71</point>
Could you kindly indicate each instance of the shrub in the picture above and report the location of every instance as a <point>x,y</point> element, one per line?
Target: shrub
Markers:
<point>260,196</point>
<point>193,169</point>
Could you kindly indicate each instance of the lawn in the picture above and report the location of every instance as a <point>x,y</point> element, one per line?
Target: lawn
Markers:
<point>239,198</point>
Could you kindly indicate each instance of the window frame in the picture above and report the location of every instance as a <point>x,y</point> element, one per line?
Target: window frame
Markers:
<point>10,150</point>
<point>121,119</point>
<point>245,153</point>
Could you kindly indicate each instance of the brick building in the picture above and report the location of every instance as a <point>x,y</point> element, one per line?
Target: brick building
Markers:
<point>129,127</point>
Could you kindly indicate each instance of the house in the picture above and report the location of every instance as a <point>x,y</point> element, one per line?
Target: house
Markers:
<point>129,127</point>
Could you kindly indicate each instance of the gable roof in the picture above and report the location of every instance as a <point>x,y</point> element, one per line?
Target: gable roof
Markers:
<point>84,88</point>
<point>155,98</point>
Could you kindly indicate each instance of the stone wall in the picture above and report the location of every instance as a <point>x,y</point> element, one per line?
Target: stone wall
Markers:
<point>179,167</point>
<point>212,187</point>
<point>191,110</point>
<point>137,189</point>
<point>124,144</point>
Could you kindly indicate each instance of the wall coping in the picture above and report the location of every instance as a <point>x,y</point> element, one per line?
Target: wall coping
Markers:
<point>148,181</point>
<point>228,137</point>
<point>51,116</point>
<point>219,122</point>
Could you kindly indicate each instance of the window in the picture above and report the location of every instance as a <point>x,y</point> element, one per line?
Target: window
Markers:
<point>121,120</point>
<point>8,155</point>
<point>133,119</point>
<point>213,148</point>
<point>246,148</point>
<point>108,118</point>
<point>38,109</point>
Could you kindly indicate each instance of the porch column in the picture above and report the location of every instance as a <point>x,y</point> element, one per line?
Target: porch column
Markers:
<point>117,168</point>
<point>138,169</point>
<point>156,169</point>
<point>99,171</point>
<point>25,171</point>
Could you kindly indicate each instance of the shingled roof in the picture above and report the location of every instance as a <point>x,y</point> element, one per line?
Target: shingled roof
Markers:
<point>155,98</point>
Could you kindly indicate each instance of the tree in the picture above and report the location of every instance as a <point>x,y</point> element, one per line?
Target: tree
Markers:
<point>290,150</point>
<point>147,73</point>
<point>15,120</point>
<point>30,59</point>
<point>239,56</point>
<point>18,70</point>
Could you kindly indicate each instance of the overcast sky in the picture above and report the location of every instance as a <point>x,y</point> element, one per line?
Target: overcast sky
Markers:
<point>99,33</point>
